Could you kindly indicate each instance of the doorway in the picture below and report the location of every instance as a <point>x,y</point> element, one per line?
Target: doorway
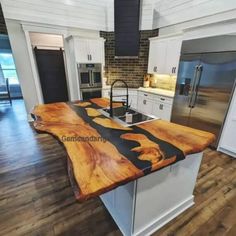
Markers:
<point>49,58</point>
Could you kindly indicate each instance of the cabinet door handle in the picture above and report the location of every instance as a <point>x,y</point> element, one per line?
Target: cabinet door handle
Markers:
<point>144,102</point>
<point>90,57</point>
<point>172,70</point>
<point>163,99</point>
<point>145,94</point>
<point>161,106</point>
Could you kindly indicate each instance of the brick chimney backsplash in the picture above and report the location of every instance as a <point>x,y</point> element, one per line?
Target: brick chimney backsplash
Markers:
<point>130,70</point>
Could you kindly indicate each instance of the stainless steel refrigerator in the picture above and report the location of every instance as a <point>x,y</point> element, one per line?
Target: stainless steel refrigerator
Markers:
<point>204,86</point>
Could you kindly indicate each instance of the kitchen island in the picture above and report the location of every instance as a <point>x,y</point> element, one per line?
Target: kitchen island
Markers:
<point>144,173</point>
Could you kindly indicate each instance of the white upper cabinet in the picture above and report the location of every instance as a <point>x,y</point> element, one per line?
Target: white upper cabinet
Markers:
<point>157,52</point>
<point>164,55</point>
<point>81,50</point>
<point>173,55</point>
<point>96,50</point>
<point>89,50</point>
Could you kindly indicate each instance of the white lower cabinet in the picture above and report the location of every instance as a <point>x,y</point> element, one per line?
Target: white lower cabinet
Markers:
<point>162,110</point>
<point>132,96</point>
<point>144,105</point>
<point>142,206</point>
<point>148,103</point>
<point>153,104</point>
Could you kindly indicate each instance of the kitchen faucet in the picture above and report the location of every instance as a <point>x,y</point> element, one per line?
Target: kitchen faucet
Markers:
<point>111,96</point>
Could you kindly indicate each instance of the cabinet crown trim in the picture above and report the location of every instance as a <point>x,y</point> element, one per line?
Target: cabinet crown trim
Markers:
<point>85,37</point>
<point>168,36</point>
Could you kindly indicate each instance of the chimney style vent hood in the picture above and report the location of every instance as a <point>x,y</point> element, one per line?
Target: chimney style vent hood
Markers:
<point>127,28</point>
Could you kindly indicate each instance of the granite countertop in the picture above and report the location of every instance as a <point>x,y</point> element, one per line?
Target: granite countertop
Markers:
<point>115,88</point>
<point>157,91</point>
<point>103,155</point>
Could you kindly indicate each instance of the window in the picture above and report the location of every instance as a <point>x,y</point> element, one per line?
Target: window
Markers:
<point>8,67</point>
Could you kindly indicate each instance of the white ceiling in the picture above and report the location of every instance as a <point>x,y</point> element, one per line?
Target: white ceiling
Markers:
<point>99,14</point>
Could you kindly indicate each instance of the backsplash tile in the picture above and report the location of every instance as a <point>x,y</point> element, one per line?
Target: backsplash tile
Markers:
<point>130,70</point>
<point>167,82</point>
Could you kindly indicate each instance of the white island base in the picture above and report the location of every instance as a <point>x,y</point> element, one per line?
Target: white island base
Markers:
<point>143,206</point>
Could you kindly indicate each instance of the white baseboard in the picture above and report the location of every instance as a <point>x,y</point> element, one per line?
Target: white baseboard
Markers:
<point>227,151</point>
<point>166,217</point>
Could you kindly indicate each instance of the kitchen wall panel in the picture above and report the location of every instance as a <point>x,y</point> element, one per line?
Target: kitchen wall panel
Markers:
<point>90,14</point>
<point>171,12</point>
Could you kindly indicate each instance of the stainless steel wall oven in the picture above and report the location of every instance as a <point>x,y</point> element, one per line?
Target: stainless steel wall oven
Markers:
<point>90,80</point>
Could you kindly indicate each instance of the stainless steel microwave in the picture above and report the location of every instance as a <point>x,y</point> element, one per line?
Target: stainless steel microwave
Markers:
<point>90,75</point>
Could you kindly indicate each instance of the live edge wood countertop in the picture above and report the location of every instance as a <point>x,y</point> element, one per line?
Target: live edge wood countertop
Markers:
<point>103,154</point>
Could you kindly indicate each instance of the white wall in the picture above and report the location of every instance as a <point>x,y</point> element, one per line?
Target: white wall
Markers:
<point>89,14</point>
<point>22,62</point>
<point>222,23</point>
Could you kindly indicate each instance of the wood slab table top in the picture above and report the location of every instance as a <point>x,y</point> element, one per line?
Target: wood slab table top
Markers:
<point>103,155</point>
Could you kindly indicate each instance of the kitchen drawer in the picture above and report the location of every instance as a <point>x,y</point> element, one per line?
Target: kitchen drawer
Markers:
<point>145,95</point>
<point>163,99</point>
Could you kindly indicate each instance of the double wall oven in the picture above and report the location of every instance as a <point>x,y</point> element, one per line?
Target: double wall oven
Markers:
<point>90,79</point>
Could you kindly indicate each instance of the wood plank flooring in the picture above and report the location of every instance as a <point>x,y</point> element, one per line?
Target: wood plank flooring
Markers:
<point>36,197</point>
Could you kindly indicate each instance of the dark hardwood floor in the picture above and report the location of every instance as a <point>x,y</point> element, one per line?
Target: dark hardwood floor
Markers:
<point>36,197</point>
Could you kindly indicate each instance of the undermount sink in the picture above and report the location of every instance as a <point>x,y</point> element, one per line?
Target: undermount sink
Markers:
<point>120,116</point>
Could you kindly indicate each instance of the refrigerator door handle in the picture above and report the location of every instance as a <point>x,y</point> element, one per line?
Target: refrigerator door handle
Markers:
<point>193,87</point>
<point>90,78</point>
<point>200,68</point>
